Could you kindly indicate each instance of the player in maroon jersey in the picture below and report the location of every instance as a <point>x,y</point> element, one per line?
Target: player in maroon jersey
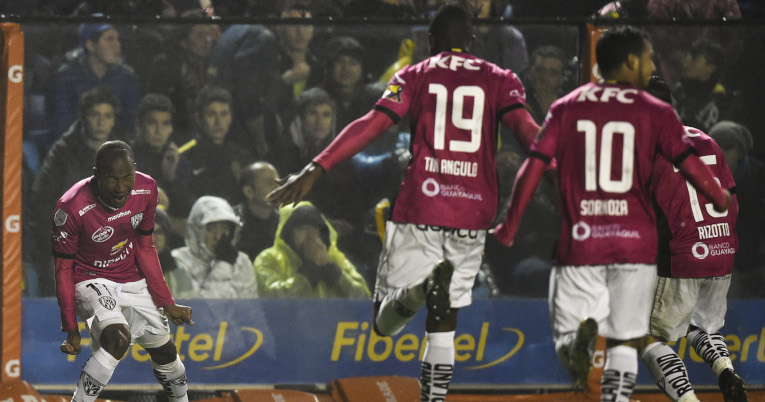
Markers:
<point>107,270</point>
<point>697,246</point>
<point>604,137</point>
<point>448,198</point>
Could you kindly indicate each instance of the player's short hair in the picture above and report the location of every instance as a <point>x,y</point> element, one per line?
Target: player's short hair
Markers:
<point>615,46</point>
<point>451,27</point>
<point>154,102</point>
<point>210,94</point>
<point>109,150</point>
<point>96,96</point>
<point>659,88</point>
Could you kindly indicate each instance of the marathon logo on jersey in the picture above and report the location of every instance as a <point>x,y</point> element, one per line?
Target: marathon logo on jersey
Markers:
<point>702,251</point>
<point>582,231</point>
<point>432,188</point>
<point>620,94</point>
<point>140,192</point>
<point>393,93</point>
<point>119,215</point>
<point>136,219</point>
<point>59,218</point>
<point>86,209</point>
<point>713,230</point>
<point>451,167</point>
<point>108,302</point>
<point>453,62</point>
<point>103,234</point>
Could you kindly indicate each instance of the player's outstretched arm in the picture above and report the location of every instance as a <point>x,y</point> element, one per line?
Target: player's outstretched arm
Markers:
<point>523,127</point>
<point>294,187</point>
<point>179,314</point>
<point>525,185</point>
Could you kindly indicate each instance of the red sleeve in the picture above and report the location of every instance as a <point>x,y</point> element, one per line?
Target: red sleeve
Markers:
<point>698,174</point>
<point>523,126</point>
<point>525,185</point>
<point>65,293</point>
<point>148,264</point>
<point>354,137</point>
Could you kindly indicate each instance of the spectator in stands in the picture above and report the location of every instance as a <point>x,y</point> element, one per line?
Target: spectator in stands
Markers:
<point>97,62</point>
<point>544,80</point>
<point>735,140</point>
<point>701,99</point>
<point>312,128</point>
<point>158,157</point>
<point>182,72</point>
<point>70,159</point>
<point>259,219</point>
<point>165,240</point>
<point>305,261</point>
<point>346,77</point>
<point>216,159</point>
<point>503,45</point>
<point>210,266</point>
<point>244,62</point>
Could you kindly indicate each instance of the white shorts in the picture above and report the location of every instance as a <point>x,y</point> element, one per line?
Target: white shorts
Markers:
<point>617,296</point>
<point>412,251</point>
<point>679,302</point>
<point>101,302</point>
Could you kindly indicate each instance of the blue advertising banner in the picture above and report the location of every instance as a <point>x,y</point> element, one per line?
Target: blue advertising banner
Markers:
<point>498,342</point>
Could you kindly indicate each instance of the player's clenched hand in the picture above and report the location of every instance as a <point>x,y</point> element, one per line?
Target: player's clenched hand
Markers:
<point>179,314</point>
<point>71,345</point>
<point>292,189</point>
<point>503,235</point>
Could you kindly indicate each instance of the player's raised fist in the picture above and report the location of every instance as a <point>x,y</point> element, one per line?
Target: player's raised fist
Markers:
<point>71,345</point>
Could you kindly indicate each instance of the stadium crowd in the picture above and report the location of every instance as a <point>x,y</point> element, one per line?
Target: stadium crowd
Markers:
<point>215,112</point>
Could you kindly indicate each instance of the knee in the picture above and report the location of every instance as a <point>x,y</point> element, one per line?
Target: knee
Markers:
<point>115,339</point>
<point>164,354</point>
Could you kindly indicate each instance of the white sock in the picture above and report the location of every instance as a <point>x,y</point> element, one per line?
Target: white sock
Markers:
<point>172,377</point>
<point>95,375</point>
<point>668,370</point>
<point>398,308</point>
<point>712,348</point>
<point>437,366</point>
<point>619,374</point>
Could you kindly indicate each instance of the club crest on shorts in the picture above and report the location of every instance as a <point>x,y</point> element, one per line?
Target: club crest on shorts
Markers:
<point>108,302</point>
<point>136,219</point>
<point>60,217</point>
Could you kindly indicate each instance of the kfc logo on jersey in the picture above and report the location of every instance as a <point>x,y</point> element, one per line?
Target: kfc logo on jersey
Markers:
<point>393,93</point>
<point>136,219</point>
<point>60,217</point>
<point>86,209</point>
<point>108,302</point>
<point>103,234</point>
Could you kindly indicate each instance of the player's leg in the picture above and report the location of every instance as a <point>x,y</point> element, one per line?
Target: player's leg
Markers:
<point>578,301</point>
<point>673,304</point>
<point>438,360</point>
<point>709,343</point>
<point>109,332</point>
<point>170,371</point>
<point>410,253</point>
<point>630,294</point>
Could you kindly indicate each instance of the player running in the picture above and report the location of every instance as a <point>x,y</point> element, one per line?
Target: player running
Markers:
<point>448,198</point>
<point>107,270</point>
<point>604,137</point>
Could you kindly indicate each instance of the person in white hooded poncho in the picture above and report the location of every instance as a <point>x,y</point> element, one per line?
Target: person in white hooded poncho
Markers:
<point>210,266</point>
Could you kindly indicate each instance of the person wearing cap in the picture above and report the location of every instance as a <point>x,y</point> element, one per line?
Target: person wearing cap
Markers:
<point>97,61</point>
<point>735,140</point>
<point>210,266</point>
<point>305,261</point>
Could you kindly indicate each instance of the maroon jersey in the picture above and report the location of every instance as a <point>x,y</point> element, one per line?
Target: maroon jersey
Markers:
<point>604,138</point>
<point>102,241</point>
<point>455,102</point>
<point>703,241</point>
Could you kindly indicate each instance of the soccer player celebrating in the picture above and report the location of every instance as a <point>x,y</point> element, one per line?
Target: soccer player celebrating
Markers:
<point>604,137</point>
<point>448,198</point>
<point>697,246</point>
<point>107,268</point>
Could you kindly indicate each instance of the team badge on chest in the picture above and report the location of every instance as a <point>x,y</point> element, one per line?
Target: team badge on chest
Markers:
<point>136,219</point>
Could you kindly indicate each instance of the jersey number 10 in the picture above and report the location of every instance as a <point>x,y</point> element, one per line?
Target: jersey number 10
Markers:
<point>474,124</point>
<point>594,177</point>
